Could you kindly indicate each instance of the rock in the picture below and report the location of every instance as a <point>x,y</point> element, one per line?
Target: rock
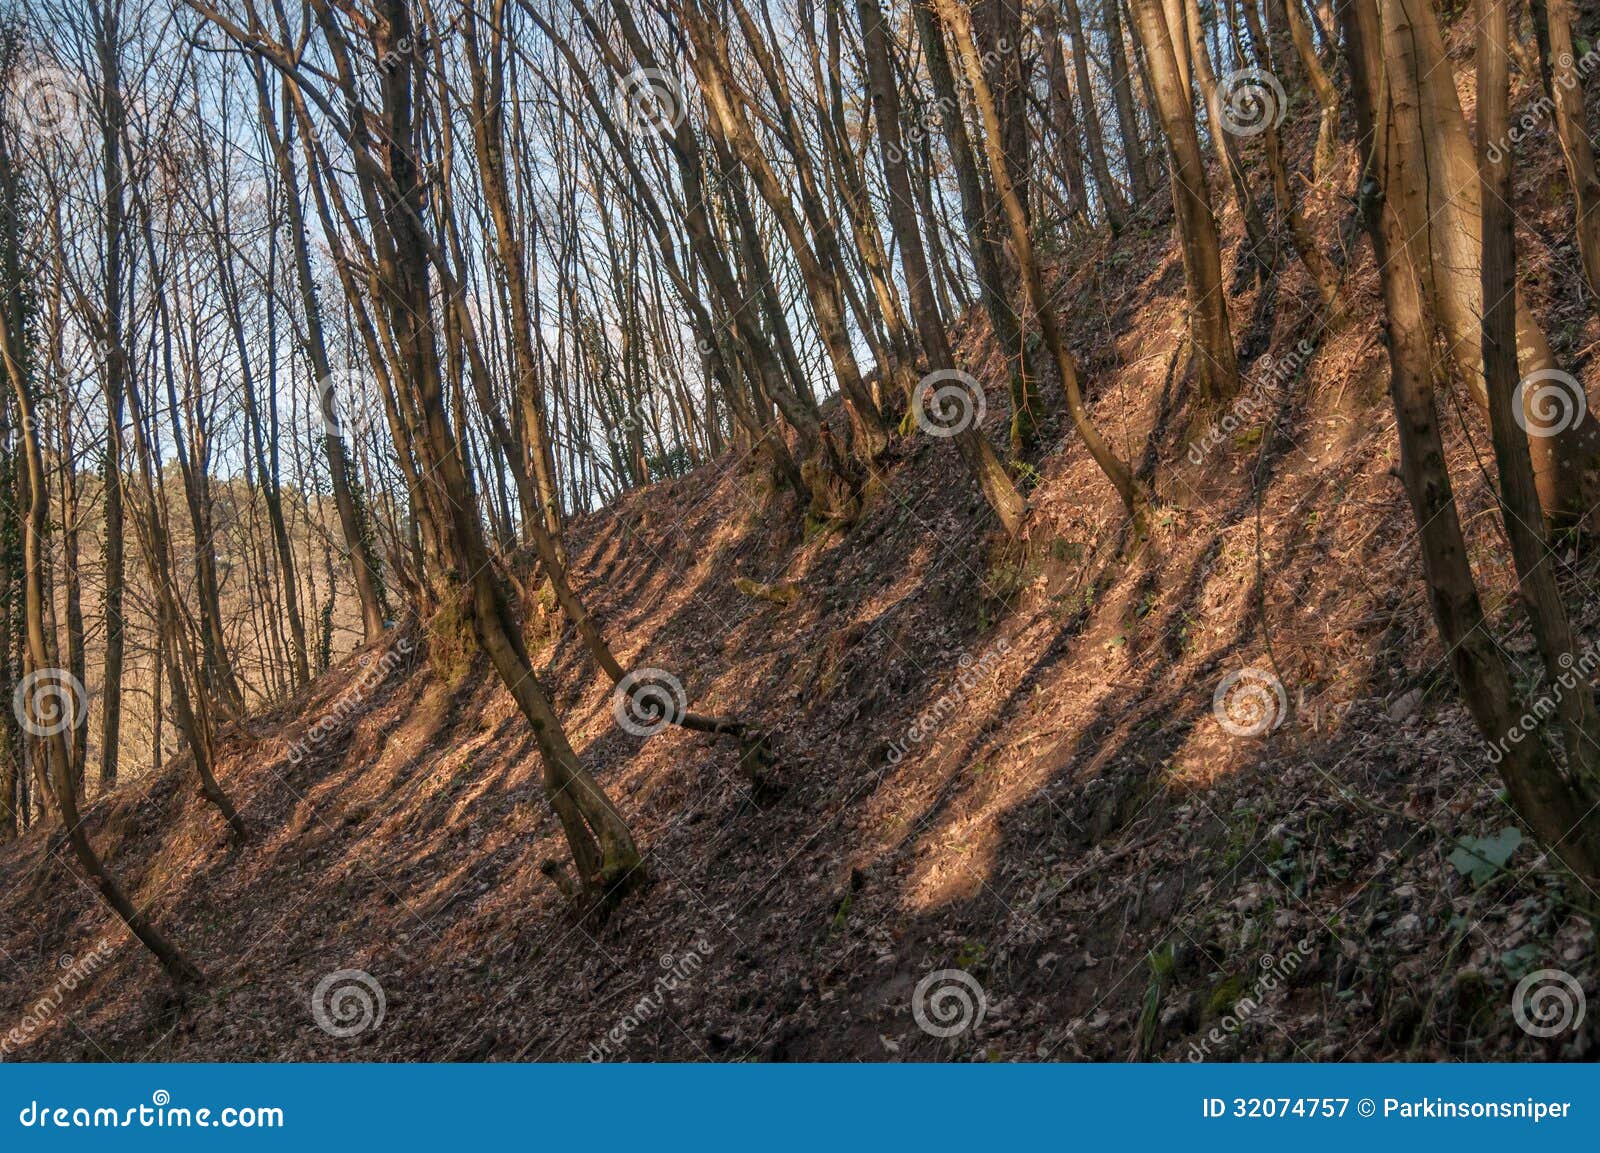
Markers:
<point>1405,706</point>
<point>1181,1015</point>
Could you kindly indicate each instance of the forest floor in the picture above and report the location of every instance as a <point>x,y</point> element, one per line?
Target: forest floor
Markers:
<point>1003,759</point>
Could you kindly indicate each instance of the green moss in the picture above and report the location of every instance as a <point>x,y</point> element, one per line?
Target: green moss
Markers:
<point>452,644</point>
<point>1225,995</point>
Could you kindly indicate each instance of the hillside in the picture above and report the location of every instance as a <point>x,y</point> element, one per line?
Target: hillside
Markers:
<point>1207,795</point>
<point>1001,758</point>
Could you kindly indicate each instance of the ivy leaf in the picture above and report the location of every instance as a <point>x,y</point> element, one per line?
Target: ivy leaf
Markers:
<point>1480,858</point>
<point>1517,962</point>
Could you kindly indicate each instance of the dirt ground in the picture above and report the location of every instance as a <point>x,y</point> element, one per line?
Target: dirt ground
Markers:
<point>1005,760</point>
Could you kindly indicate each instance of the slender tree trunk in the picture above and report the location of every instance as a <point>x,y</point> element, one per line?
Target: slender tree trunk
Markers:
<point>1094,130</point>
<point>1321,269</point>
<point>821,467</point>
<point>1133,494</point>
<point>1554,807</point>
<point>997,31</point>
<point>823,288</point>
<point>603,848</point>
<point>196,726</point>
<point>1211,338</point>
<point>41,709</point>
<point>72,595</point>
<point>987,260</point>
<point>488,135</point>
<point>1572,126</point>
<point>975,450</point>
<point>1257,242</point>
<point>107,38</point>
<point>1321,84</point>
<point>1519,496</point>
<point>1435,188</point>
<point>13,781</point>
<point>1133,153</point>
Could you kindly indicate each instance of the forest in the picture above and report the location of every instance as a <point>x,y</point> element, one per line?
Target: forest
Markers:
<point>799,530</point>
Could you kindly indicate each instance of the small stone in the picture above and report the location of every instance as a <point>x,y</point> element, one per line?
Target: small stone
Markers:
<point>1405,706</point>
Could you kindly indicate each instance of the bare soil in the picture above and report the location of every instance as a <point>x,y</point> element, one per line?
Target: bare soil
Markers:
<point>997,758</point>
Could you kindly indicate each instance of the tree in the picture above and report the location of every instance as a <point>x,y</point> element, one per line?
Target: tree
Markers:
<point>1134,497</point>
<point>1436,190</point>
<point>1566,84</point>
<point>44,707</point>
<point>1210,336</point>
<point>1552,802</point>
<point>979,457</point>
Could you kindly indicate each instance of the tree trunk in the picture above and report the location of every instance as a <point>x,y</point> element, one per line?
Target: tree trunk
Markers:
<point>1572,126</point>
<point>1210,336</point>
<point>1094,133</point>
<point>1133,155</point>
<point>488,140</point>
<point>1435,188</point>
<point>1553,807</point>
<point>1321,84</point>
<point>987,261</point>
<point>1519,497</point>
<point>107,46</point>
<point>1061,125</point>
<point>1257,242</point>
<point>195,724</point>
<point>1134,497</point>
<point>975,450</point>
<point>41,708</point>
<point>823,289</point>
<point>602,846</point>
<point>1321,269</point>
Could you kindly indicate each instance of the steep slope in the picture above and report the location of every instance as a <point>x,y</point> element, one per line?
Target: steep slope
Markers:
<point>999,759</point>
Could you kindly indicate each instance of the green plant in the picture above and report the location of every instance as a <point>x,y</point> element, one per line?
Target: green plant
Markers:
<point>1479,859</point>
<point>971,956</point>
<point>1162,960</point>
<point>1027,475</point>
